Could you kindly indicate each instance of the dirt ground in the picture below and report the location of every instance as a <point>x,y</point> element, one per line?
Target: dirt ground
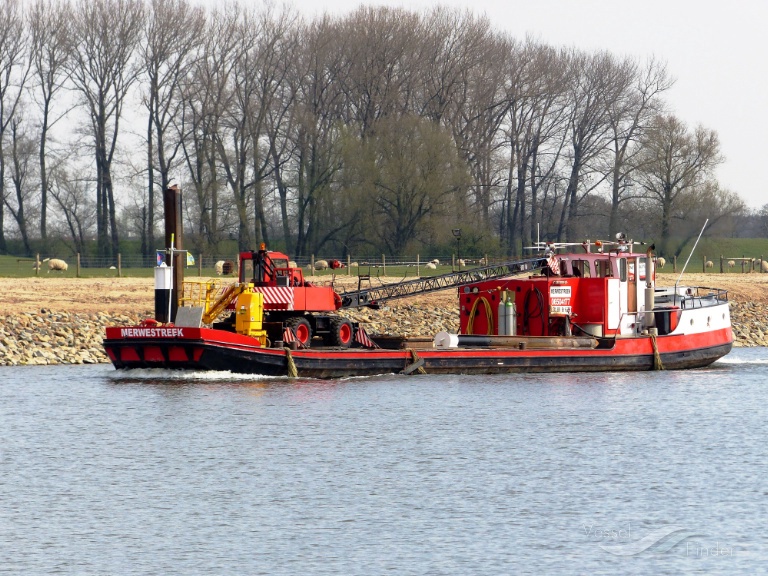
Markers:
<point>136,295</point>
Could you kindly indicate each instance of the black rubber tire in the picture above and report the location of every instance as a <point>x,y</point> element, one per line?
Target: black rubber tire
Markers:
<point>301,329</point>
<point>342,332</point>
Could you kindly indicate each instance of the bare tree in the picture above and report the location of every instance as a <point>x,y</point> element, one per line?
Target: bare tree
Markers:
<point>77,208</point>
<point>536,90</point>
<point>674,162</point>
<point>280,121</point>
<point>473,103</point>
<point>274,94</point>
<point>14,69</point>
<point>49,25</point>
<point>21,153</point>
<point>169,48</point>
<point>105,34</point>
<point>316,153</point>
<point>378,80</point>
<point>206,94</point>
<point>629,115</point>
<point>260,68</point>
<point>596,82</point>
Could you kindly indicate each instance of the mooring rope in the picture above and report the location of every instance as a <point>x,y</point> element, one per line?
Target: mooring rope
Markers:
<point>657,365</point>
<point>415,358</point>
<point>292,372</point>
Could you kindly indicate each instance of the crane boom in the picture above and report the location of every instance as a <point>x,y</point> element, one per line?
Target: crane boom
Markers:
<point>371,296</point>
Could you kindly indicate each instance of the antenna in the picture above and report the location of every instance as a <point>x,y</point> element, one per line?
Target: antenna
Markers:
<point>691,254</point>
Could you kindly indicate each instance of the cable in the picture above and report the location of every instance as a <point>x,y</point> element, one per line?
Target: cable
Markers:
<point>488,316</point>
<point>529,314</point>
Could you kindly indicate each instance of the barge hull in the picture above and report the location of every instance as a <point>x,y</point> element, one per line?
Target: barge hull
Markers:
<point>206,349</point>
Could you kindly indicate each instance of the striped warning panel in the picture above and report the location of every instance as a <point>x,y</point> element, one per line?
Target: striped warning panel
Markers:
<point>276,297</point>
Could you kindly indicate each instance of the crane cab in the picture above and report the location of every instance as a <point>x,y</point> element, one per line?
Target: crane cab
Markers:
<point>267,268</point>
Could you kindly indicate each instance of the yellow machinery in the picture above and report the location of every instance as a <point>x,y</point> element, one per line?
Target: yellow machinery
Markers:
<point>249,313</point>
<point>212,311</point>
<point>198,293</point>
<point>249,310</point>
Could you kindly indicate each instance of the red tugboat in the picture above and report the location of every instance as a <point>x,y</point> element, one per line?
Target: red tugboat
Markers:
<point>594,309</point>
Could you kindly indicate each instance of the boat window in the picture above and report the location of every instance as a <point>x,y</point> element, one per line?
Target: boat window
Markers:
<point>623,269</point>
<point>581,268</point>
<point>604,269</point>
<point>247,270</point>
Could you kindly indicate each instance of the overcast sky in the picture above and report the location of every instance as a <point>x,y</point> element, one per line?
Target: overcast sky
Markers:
<point>715,50</point>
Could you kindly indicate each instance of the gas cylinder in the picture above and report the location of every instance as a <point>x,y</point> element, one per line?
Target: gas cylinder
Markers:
<point>501,314</point>
<point>510,315</point>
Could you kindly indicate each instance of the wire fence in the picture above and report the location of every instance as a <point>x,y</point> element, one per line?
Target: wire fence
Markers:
<point>206,265</point>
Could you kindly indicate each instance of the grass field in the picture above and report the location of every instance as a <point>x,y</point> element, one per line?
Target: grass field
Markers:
<point>708,249</point>
<point>16,267</point>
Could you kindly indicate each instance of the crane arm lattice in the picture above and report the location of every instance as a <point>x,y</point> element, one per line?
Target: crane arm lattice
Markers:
<point>371,296</point>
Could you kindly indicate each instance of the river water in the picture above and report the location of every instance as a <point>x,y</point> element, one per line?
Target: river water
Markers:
<point>106,472</point>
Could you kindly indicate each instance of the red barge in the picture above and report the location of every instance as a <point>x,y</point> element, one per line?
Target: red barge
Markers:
<point>594,308</point>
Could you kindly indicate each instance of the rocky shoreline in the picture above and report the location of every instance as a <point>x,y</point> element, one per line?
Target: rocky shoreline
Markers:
<point>50,337</point>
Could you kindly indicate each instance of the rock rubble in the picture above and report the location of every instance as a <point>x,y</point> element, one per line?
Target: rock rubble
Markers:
<point>49,337</point>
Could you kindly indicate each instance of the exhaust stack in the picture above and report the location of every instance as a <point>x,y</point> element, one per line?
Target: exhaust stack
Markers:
<point>169,278</point>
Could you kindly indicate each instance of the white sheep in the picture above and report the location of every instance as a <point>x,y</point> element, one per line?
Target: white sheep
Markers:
<point>709,264</point>
<point>764,265</point>
<point>436,262</point>
<point>57,264</point>
<point>462,262</point>
<point>292,264</point>
<point>321,265</point>
<point>224,267</point>
<point>731,263</point>
<point>661,262</point>
<point>430,265</point>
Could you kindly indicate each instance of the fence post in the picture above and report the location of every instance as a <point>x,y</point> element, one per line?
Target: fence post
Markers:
<point>703,264</point>
<point>37,264</point>
<point>383,265</point>
<point>312,265</point>
<point>418,267</point>
<point>199,265</point>
<point>349,265</point>
<point>78,265</point>
<point>721,263</point>
<point>119,265</point>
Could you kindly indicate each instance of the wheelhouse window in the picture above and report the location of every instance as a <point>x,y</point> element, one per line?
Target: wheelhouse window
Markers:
<point>581,268</point>
<point>604,268</point>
